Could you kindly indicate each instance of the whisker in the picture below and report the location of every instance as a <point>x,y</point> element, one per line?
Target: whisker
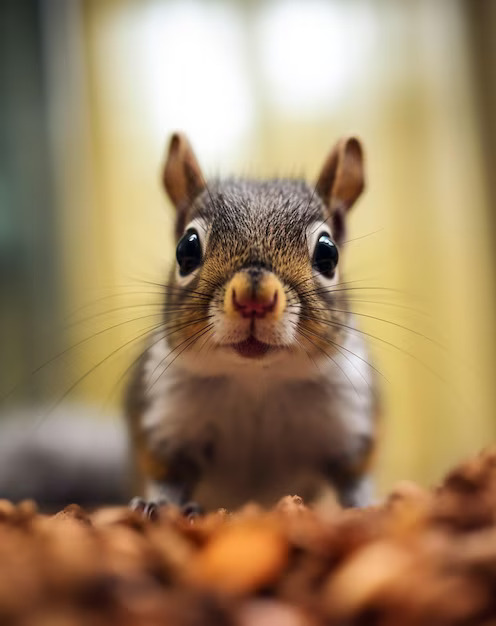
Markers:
<point>332,289</point>
<point>114,310</point>
<point>211,283</point>
<point>177,307</point>
<point>212,343</point>
<point>108,297</point>
<point>129,367</point>
<point>324,221</point>
<point>148,331</point>
<point>374,232</point>
<point>151,282</point>
<point>165,288</point>
<point>190,323</point>
<point>385,321</point>
<point>310,357</point>
<point>122,288</point>
<point>391,304</point>
<point>73,347</point>
<point>402,326</point>
<point>351,297</point>
<point>294,303</point>
<point>212,201</point>
<point>196,335</point>
<point>380,339</point>
<point>340,283</point>
<point>299,330</point>
<point>209,337</point>
<point>201,308</point>
<point>59,401</point>
<point>185,290</point>
<point>329,341</point>
<point>340,347</point>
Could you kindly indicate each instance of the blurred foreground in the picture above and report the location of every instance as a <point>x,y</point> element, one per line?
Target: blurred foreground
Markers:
<point>423,557</point>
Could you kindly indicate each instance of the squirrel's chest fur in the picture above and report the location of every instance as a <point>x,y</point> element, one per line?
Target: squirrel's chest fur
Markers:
<point>260,436</point>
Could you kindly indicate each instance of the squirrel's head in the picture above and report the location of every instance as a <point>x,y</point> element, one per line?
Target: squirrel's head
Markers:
<point>256,278</point>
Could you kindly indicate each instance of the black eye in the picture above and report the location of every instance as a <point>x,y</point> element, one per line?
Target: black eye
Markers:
<point>188,252</point>
<point>325,257</point>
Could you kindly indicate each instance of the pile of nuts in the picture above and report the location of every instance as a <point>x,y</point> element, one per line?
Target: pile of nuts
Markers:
<point>421,557</point>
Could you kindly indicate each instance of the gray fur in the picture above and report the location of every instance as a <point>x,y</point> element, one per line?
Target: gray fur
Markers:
<point>271,426</point>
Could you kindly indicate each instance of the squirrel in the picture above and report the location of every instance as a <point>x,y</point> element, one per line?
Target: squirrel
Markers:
<point>258,382</point>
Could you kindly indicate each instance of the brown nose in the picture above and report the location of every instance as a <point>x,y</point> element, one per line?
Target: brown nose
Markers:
<point>245,299</point>
<point>250,306</point>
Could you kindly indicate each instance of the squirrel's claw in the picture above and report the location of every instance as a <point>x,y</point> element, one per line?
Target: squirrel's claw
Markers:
<point>150,508</point>
<point>192,509</point>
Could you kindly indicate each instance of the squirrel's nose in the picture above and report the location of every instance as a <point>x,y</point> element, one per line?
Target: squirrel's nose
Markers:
<point>249,305</point>
<point>257,296</point>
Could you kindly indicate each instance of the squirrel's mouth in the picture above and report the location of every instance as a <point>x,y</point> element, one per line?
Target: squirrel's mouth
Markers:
<point>251,348</point>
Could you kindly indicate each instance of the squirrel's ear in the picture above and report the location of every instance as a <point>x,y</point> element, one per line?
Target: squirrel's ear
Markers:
<point>181,176</point>
<point>341,180</point>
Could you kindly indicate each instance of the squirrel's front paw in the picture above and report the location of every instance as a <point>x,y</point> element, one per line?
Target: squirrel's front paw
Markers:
<point>150,508</point>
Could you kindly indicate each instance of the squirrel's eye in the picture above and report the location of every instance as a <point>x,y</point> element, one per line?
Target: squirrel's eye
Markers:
<point>189,252</point>
<point>325,257</point>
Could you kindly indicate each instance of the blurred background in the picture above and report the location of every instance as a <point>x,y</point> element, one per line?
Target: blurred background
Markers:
<point>90,90</point>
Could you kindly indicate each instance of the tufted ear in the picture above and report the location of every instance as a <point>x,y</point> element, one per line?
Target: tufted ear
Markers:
<point>182,176</point>
<point>341,180</point>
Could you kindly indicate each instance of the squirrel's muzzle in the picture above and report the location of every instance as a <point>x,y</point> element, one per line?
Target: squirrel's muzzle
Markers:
<point>254,295</point>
